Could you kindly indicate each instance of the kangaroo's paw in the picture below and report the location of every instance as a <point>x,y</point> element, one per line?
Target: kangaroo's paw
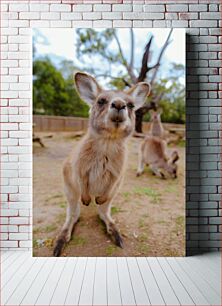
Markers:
<point>116,236</point>
<point>139,173</point>
<point>86,200</point>
<point>101,200</point>
<point>59,247</point>
<point>118,239</point>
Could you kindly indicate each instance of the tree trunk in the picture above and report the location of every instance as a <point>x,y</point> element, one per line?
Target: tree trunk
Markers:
<point>140,113</point>
<point>139,120</point>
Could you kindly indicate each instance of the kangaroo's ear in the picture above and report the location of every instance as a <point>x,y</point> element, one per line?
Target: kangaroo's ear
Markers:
<point>139,92</point>
<point>87,87</point>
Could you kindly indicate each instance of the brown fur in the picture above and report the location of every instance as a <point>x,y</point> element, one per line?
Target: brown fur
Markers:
<point>95,169</point>
<point>153,152</point>
<point>156,127</point>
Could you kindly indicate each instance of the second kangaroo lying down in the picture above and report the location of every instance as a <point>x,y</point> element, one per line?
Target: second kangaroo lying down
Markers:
<point>153,153</point>
<point>95,170</point>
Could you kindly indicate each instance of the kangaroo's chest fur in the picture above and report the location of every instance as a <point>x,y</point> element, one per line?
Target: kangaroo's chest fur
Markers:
<point>100,164</point>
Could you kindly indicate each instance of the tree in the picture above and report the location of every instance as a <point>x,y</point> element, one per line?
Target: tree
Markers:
<point>91,42</point>
<point>53,94</point>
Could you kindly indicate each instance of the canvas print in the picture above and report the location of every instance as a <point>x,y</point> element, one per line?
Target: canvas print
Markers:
<point>109,142</point>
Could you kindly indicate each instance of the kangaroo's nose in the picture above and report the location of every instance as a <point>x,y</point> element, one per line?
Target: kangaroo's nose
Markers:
<point>118,105</point>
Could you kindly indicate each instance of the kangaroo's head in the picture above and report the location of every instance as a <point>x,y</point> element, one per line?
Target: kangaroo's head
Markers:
<point>112,113</point>
<point>155,116</point>
<point>171,164</point>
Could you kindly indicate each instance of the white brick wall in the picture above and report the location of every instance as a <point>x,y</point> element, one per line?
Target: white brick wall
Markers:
<point>200,17</point>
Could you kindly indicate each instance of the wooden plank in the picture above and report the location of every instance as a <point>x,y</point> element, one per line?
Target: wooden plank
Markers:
<point>191,288</point>
<point>4,255</point>
<point>165,287</point>
<point>86,294</point>
<point>211,260</point>
<point>6,277</point>
<point>208,292</point>
<point>17,278</point>
<point>150,282</point>
<point>181,293</point>
<point>100,283</point>
<point>214,280</point>
<point>18,294</point>
<point>126,288</point>
<point>139,289</point>
<point>10,261</point>
<point>75,286</point>
<point>46,294</point>
<point>113,286</point>
<point>39,282</point>
<point>62,287</point>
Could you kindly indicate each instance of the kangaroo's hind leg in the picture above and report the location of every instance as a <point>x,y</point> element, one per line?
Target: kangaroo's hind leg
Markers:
<point>141,164</point>
<point>72,192</point>
<point>104,213</point>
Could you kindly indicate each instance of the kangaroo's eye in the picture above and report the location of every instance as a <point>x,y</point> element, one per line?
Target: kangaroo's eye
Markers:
<point>130,105</point>
<point>102,101</point>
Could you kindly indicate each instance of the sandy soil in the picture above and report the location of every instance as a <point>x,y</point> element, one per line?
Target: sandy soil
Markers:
<point>149,211</point>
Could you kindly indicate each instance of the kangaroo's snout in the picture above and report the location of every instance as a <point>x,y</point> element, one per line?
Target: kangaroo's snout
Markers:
<point>118,105</point>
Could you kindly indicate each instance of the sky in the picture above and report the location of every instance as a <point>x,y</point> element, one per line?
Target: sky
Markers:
<point>62,43</point>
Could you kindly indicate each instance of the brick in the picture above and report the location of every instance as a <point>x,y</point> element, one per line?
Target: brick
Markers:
<point>93,16</point>
<point>39,23</point>
<point>208,15</point>
<point>112,15</point>
<point>177,8</point>
<point>9,244</point>
<point>18,23</point>
<point>9,173</point>
<point>154,8</point>
<point>102,7</point>
<point>25,244</point>
<point>9,212</point>
<point>82,8</point>
<point>19,39</point>
<point>213,7</point>
<point>171,16</point>
<point>121,7</point>
<point>18,7</point>
<point>137,8</point>
<point>9,63</point>
<point>60,7</point>
<point>39,7</point>
<point>215,220</point>
<point>215,63</point>
<point>187,16</point>
<point>60,24</point>
<point>102,23</point>
<point>208,40</point>
<point>135,15</point>
<point>18,236</point>
<point>19,118</point>
<point>71,16</point>
<point>50,16</point>
<point>82,23</point>
<point>180,23</point>
<point>203,23</point>
<point>29,15</point>
<point>122,23</point>
<point>207,55</point>
<point>197,7</point>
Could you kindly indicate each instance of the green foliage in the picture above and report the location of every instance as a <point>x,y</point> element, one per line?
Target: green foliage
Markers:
<point>52,93</point>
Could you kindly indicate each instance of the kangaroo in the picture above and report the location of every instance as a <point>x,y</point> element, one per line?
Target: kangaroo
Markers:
<point>156,127</point>
<point>153,153</point>
<point>94,171</point>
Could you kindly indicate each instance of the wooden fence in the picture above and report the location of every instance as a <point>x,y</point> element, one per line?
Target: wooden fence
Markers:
<point>73,124</point>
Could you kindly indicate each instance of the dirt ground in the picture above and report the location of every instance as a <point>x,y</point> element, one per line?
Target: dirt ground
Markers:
<point>149,211</point>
